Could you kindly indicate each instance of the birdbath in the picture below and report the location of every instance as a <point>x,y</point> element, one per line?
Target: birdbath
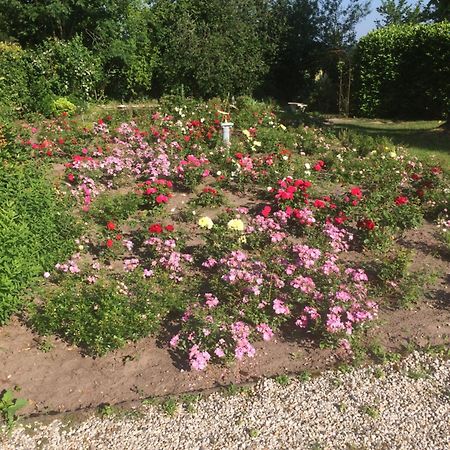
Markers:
<point>226,127</point>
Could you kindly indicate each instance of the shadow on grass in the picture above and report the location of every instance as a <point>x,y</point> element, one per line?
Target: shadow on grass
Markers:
<point>422,138</point>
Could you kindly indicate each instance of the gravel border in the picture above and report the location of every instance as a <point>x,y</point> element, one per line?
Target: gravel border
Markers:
<point>398,406</point>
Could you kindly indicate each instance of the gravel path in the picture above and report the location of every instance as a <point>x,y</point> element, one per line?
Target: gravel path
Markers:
<point>403,406</point>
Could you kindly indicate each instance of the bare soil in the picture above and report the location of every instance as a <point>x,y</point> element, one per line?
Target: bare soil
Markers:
<point>63,379</point>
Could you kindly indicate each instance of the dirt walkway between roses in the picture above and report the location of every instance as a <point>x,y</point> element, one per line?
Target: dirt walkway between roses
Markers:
<point>62,379</point>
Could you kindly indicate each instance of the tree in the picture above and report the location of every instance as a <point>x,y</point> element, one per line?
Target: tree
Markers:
<point>31,22</point>
<point>338,21</point>
<point>395,12</point>
<point>313,33</point>
<point>212,47</point>
<point>438,10</point>
<point>290,75</point>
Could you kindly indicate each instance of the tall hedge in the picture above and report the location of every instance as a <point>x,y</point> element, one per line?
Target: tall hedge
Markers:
<point>403,71</point>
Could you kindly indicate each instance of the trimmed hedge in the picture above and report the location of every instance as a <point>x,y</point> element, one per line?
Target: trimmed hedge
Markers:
<point>403,71</point>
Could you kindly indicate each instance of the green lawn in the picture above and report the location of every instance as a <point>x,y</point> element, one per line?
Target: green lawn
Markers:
<point>424,139</point>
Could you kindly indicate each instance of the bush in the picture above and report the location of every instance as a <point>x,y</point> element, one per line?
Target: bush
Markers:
<point>35,228</point>
<point>13,79</point>
<point>63,68</point>
<point>63,105</point>
<point>403,71</point>
<point>104,316</point>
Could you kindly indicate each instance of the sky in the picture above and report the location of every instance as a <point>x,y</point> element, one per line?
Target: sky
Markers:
<point>368,23</point>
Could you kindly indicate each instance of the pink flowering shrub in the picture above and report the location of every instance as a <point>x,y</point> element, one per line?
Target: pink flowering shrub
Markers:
<point>250,297</point>
<point>165,256</point>
<point>155,194</point>
<point>191,170</point>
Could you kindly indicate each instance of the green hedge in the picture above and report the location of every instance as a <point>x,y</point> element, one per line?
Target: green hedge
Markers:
<point>13,79</point>
<point>403,71</point>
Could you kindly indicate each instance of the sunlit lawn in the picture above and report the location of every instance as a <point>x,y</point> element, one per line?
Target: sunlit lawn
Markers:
<point>424,139</point>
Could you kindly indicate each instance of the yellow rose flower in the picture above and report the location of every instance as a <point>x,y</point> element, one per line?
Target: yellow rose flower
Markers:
<point>236,225</point>
<point>205,222</point>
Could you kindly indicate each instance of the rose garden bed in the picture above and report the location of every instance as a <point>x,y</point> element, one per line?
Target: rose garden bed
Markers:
<point>158,260</point>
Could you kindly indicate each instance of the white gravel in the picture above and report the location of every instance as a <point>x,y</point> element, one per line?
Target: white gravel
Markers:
<point>403,406</point>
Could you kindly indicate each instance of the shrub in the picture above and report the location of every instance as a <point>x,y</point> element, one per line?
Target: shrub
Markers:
<point>403,71</point>
<point>35,230</point>
<point>63,68</point>
<point>104,316</point>
<point>63,105</point>
<point>13,79</point>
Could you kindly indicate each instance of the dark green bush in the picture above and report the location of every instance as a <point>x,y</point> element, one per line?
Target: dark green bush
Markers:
<point>403,71</point>
<point>13,80</point>
<point>35,231</point>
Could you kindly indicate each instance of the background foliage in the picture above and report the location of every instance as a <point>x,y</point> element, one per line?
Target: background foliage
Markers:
<point>290,50</point>
<point>403,71</point>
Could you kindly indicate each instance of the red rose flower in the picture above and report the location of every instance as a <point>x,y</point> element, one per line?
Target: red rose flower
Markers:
<point>161,199</point>
<point>109,243</point>
<point>366,223</point>
<point>266,211</point>
<point>169,228</point>
<point>436,170</point>
<point>319,165</point>
<point>71,177</point>
<point>110,226</point>
<point>401,200</point>
<point>156,228</point>
<point>356,191</point>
